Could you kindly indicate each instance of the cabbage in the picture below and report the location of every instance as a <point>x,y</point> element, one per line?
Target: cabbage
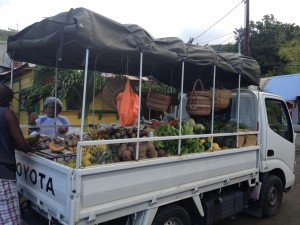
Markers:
<point>199,128</point>
<point>190,121</point>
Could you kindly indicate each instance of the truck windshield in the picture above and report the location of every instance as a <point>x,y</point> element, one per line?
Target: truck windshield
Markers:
<point>279,119</point>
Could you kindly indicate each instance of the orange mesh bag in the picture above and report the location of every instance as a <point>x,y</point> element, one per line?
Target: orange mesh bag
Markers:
<point>127,105</point>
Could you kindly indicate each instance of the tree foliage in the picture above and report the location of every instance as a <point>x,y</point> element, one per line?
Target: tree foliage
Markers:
<point>266,39</point>
<point>69,85</point>
<point>292,50</point>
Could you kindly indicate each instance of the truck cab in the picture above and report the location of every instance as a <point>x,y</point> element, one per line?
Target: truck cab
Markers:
<point>269,114</point>
<point>278,145</point>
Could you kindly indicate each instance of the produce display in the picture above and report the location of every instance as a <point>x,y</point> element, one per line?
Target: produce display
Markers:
<point>120,152</point>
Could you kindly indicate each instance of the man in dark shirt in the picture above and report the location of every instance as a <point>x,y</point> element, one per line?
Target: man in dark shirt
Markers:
<point>11,138</point>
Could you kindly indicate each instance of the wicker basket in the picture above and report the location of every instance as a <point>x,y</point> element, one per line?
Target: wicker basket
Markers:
<point>198,101</point>
<point>158,101</point>
<point>112,88</point>
<point>222,97</point>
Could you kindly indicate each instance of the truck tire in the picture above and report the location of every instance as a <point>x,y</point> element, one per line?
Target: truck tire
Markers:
<point>172,215</point>
<point>271,195</point>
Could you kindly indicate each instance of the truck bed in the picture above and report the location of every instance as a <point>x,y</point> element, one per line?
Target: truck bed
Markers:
<point>100,193</point>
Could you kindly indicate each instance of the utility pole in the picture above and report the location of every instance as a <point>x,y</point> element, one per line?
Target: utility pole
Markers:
<point>247,29</point>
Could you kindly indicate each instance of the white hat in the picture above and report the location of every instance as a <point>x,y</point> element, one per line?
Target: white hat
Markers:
<point>52,99</point>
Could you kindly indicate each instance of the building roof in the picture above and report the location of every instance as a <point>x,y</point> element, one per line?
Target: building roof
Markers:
<point>287,86</point>
<point>5,72</point>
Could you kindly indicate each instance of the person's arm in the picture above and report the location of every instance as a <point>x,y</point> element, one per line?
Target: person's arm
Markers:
<point>15,132</point>
<point>64,129</point>
<point>32,117</point>
<point>32,121</point>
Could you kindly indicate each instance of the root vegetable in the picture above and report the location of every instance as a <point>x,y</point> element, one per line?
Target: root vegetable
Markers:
<point>161,153</point>
<point>122,148</point>
<point>151,153</point>
<point>150,145</point>
<point>142,150</point>
<point>126,156</point>
<point>117,158</point>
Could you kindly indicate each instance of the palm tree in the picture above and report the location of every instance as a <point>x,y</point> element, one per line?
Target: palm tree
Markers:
<point>69,85</point>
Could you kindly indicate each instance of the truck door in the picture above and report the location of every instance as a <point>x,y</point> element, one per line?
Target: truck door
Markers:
<point>280,148</point>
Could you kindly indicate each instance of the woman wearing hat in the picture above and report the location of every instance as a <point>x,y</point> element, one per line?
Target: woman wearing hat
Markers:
<point>50,118</point>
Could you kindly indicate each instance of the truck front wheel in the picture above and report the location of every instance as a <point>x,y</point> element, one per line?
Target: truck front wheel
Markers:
<point>271,195</point>
<point>172,215</point>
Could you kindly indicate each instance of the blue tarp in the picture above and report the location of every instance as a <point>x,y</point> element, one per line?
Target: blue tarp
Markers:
<point>287,86</point>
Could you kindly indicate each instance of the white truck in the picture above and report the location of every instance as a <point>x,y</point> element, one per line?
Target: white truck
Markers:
<point>205,187</point>
<point>200,188</point>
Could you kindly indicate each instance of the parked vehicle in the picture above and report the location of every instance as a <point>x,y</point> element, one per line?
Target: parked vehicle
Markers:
<point>250,173</point>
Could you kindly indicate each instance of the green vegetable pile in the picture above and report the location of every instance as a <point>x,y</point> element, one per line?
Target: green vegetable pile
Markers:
<point>190,145</point>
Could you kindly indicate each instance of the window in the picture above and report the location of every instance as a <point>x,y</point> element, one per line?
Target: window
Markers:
<point>279,119</point>
<point>22,101</point>
<point>73,104</point>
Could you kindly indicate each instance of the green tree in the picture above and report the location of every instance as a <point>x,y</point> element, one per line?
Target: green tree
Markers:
<point>265,40</point>
<point>292,50</point>
<point>69,85</point>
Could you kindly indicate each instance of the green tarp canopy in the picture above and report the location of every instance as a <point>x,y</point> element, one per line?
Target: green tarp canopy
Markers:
<point>62,40</point>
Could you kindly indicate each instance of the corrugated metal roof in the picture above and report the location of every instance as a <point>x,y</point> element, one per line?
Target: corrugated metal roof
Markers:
<point>287,86</point>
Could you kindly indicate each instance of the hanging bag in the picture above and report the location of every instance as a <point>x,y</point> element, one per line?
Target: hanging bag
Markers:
<point>127,105</point>
<point>198,101</point>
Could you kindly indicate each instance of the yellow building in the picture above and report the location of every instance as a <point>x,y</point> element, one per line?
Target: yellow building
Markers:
<point>22,82</point>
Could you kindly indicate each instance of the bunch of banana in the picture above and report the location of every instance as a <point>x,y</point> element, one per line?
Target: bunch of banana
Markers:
<point>86,159</point>
<point>73,149</point>
<point>187,129</point>
<point>190,145</point>
<point>93,132</point>
<point>96,151</point>
<point>98,148</point>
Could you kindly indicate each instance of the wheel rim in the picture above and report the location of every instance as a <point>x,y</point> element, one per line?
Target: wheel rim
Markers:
<point>272,196</point>
<point>174,221</point>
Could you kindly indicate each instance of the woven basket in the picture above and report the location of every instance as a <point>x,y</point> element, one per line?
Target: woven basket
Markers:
<point>112,88</point>
<point>222,97</point>
<point>158,101</point>
<point>198,101</point>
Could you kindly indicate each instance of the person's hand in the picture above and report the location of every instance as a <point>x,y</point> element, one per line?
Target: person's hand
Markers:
<point>63,130</point>
<point>32,117</point>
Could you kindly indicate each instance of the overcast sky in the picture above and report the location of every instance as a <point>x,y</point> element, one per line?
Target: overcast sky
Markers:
<point>161,18</point>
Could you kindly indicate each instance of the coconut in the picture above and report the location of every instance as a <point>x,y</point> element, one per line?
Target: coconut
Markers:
<point>150,145</point>
<point>142,150</point>
<point>161,153</point>
<point>126,156</point>
<point>122,148</point>
<point>151,153</point>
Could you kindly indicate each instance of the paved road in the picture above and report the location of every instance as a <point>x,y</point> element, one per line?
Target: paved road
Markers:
<point>289,213</point>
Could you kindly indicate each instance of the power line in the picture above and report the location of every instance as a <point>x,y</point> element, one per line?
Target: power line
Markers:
<point>227,39</point>
<point>218,21</point>
<point>224,41</point>
<point>215,38</point>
